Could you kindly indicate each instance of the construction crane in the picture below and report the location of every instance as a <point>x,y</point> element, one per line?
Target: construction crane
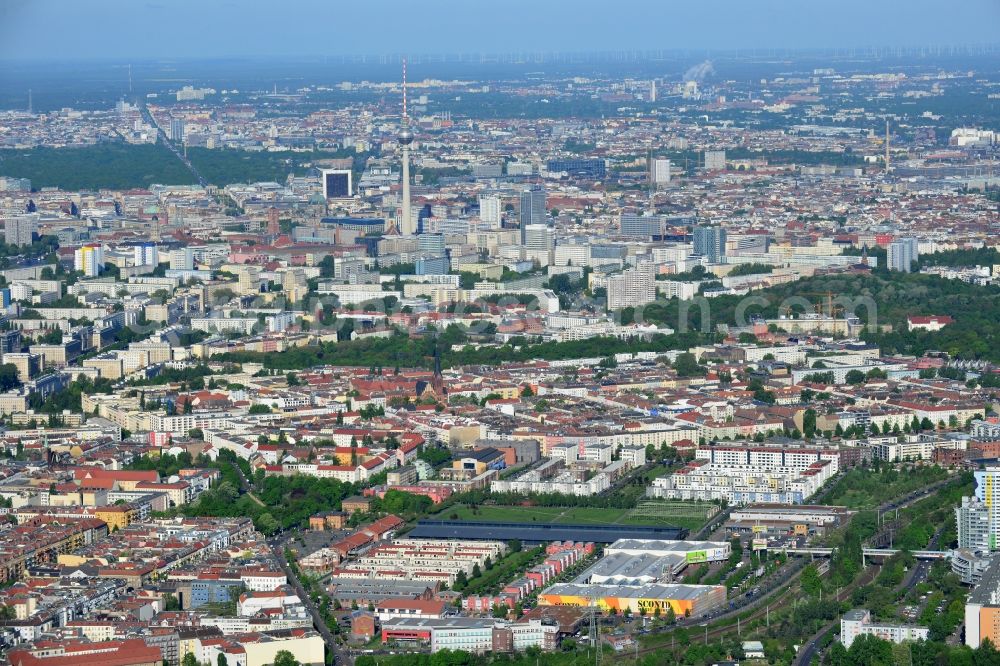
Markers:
<point>825,307</point>
<point>830,310</point>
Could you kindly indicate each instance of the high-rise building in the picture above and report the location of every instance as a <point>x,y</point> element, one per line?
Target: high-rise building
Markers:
<point>336,183</point>
<point>182,259</point>
<point>28,365</point>
<point>659,171</point>
<point>532,208</point>
<point>582,168</point>
<point>21,229</point>
<point>631,288</point>
<point>89,259</point>
<point>431,266</point>
<point>433,259</point>
<point>146,254</point>
<point>20,291</point>
<point>490,209</point>
<point>177,130</point>
<point>294,284</point>
<point>974,525</point>
<point>539,237</point>
<point>715,160</point>
<point>432,244</point>
<point>902,254</point>
<point>641,225</point>
<point>988,494</point>
<point>652,91</point>
<point>249,280</point>
<point>710,242</point>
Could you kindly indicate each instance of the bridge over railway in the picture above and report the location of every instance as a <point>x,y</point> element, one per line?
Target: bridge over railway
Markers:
<point>870,552</point>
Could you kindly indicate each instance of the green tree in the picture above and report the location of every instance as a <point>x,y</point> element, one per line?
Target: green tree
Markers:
<point>8,377</point>
<point>267,524</point>
<point>868,650</point>
<point>687,366</point>
<point>285,658</point>
<point>855,377</point>
<point>810,581</point>
<point>809,422</point>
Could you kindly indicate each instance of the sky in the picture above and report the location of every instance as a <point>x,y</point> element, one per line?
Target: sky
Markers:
<point>59,30</point>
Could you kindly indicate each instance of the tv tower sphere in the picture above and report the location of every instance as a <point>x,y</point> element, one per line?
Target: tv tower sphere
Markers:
<point>405,137</point>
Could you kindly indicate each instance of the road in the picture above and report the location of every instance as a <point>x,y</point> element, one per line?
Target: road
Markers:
<point>772,593</point>
<point>245,485</point>
<point>811,648</point>
<point>340,655</point>
<point>163,137</point>
<point>913,577</point>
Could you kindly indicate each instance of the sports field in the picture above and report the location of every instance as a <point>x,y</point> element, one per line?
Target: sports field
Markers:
<point>691,515</point>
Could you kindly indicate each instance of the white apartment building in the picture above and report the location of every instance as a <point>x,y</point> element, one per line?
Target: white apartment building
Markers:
<point>89,259</point>
<point>913,448</point>
<point>181,259</point>
<point>490,209</point>
<point>858,622</point>
<point>685,291</point>
<point>747,474</point>
<point>631,288</point>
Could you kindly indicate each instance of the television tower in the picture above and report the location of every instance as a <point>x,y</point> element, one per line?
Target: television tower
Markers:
<point>405,138</point>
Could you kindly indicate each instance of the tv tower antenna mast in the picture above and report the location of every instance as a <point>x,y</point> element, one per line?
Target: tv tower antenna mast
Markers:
<point>405,138</point>
<point>406,118</point>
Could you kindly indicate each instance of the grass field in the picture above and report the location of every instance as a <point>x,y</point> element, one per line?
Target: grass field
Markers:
<point>649,512</point>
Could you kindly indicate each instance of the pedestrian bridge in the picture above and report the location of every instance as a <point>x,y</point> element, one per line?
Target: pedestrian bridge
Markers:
<point>869,552</point>
<point>919,554</point>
